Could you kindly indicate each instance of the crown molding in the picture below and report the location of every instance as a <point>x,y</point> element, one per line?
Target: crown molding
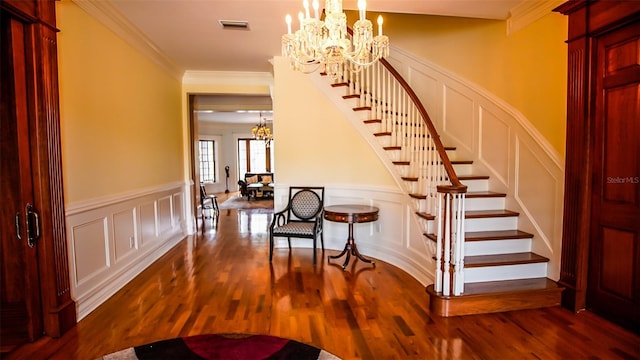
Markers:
<point>108,15</point>
<point>528,12</point>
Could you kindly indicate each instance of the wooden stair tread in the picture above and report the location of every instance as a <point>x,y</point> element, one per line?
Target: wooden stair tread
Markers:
<point>473,177</point>
<point>478,214</point>
<point>509,286</point>
<point>496,235</point>
<point>461,162</point>
<point>484,194</point>
<point>503,259</point>
<point>425,215</point>
<point>490,235</point>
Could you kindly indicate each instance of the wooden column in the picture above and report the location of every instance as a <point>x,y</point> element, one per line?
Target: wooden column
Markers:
<point>58,308</point>
<point>588,20</point>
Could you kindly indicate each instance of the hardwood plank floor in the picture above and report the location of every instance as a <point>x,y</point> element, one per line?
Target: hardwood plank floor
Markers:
<point>220,281</point>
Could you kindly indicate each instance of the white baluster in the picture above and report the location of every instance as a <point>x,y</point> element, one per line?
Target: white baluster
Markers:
<point>459,253</point>
<point>438,284</point>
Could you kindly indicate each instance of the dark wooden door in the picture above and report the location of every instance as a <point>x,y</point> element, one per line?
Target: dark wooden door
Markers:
<point>614,266</point>
<point>21,318</point>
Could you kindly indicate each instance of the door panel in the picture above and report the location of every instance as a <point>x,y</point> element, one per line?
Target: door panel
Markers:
<point>614,273</point>
<point>21,318</point>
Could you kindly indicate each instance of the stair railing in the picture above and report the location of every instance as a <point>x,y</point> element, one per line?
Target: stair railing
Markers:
<point>404,127</point>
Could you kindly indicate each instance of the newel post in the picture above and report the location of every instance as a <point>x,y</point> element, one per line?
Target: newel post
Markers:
<point>450,240</point>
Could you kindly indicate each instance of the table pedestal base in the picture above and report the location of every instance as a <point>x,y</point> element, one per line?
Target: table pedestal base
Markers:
<point>350,249</point>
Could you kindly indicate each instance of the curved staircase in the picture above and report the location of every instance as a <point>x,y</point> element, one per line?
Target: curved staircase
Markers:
<point>489,269</point>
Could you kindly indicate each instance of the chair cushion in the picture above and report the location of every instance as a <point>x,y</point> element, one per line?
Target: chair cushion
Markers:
<point>294,228</point>
<point>266,179</point>
<point>252,179</point>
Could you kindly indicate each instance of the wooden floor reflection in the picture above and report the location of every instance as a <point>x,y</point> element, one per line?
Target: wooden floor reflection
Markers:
<point>220,281</point>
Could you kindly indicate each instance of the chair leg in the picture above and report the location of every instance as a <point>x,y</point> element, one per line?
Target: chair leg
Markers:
<point>270,246</point>
<point>214,202</point>
<point>315,252</point>
<point>289,240</point>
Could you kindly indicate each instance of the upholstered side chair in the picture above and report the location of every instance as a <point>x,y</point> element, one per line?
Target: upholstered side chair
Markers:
<point>301,218</point>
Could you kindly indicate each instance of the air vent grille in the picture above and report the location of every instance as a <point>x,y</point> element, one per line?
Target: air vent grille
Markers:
<point>234,24</point>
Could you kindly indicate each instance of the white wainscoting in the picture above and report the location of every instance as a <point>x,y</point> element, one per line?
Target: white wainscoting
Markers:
<point>111,240</point>
<point>395,238</point>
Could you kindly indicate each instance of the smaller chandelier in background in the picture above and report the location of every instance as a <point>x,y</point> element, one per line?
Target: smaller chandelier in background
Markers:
<point>262,132</point>
<point>325,45</point>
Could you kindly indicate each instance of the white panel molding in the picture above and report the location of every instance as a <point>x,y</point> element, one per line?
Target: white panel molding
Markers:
<point>457,108</point>
<point>157,209</point>
<point>125,239</point>
<point>548,238</point>
<point>489,140</point>
<point>86,236</point>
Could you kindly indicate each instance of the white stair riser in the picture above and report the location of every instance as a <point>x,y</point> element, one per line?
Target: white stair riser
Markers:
<point>485,203</point>
<point>491,224</point>
<point>477,185</point>
<point>452,154</point>
<point>506,272</point>
<point>463,169</point>
<point>429,225</point>
<point>494,247</point>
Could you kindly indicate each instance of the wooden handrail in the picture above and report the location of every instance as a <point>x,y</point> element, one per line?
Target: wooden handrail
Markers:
<point>456,185</point>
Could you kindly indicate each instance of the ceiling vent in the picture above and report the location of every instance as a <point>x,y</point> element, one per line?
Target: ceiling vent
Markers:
<point>234,24</point>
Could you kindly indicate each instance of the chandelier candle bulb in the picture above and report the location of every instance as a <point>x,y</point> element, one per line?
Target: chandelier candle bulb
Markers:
<point>316,6</point>
<point>305,4</point>
<point>379,25</point>
<point>287,19</point>
<point>301,18</point>
<point>362,6</point>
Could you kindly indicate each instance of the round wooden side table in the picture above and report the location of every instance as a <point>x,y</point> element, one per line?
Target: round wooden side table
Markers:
<point>351,214</point>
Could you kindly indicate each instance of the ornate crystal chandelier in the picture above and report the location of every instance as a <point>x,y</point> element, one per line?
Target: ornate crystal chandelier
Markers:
<point>325,44</point>
<point>262,132</point>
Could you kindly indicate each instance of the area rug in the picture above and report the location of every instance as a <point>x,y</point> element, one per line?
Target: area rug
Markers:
<point>239,202</point>
<point>224,346</point>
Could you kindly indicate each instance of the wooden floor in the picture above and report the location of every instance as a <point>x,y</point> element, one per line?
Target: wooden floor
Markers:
<point>220,281</point>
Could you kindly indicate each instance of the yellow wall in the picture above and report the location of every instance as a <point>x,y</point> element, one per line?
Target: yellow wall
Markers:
<point>527,69</point>
<point>317,145</point>
<point>120,112</point>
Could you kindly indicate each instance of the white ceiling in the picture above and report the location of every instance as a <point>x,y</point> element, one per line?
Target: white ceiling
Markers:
<point>188,34</point>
